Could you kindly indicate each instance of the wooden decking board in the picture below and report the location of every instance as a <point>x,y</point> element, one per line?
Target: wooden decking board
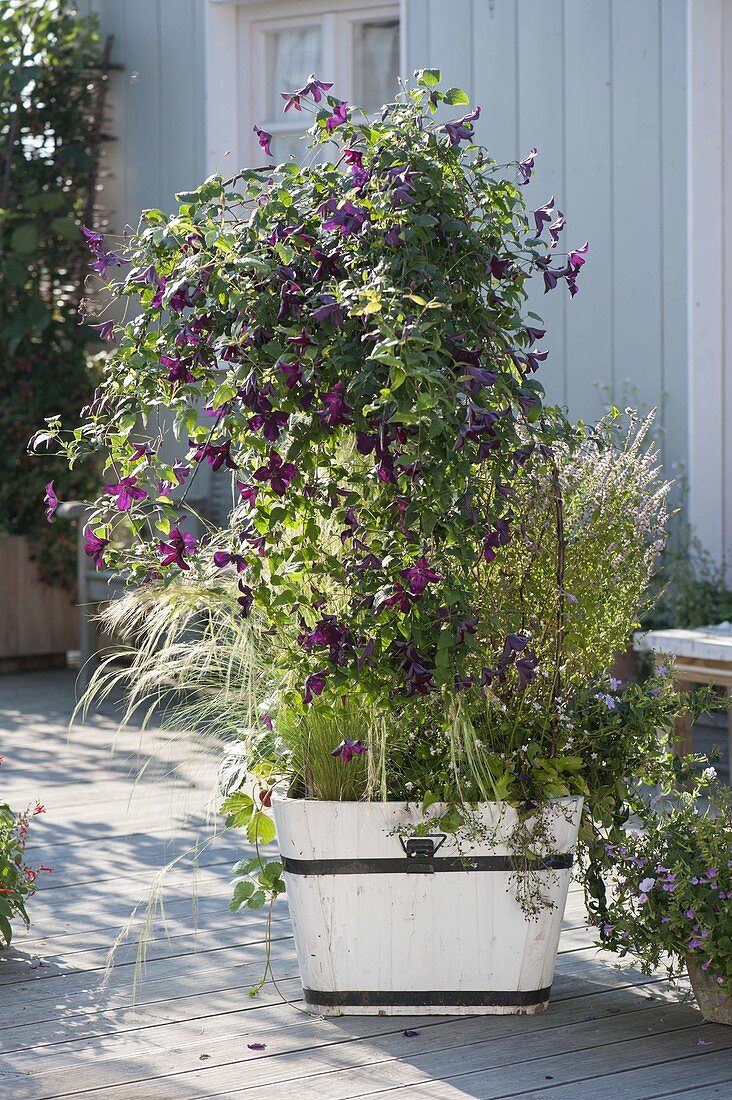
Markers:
<point>610,1033</point>
<point>314,1042</point>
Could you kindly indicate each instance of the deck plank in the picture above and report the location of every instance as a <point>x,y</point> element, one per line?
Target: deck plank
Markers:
<point>610,1033</point>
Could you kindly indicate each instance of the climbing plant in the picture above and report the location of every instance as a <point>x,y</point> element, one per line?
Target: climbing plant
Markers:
<point>52,79</point>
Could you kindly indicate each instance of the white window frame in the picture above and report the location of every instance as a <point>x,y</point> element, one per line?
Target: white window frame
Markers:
<point>235,57</point>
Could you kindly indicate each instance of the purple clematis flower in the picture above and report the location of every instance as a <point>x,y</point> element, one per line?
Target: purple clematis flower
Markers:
<point>180,471</point>
<point>94,547</point>
<point>277,472</point>
<point>301,342</point>
<point>526,166</point>
<point>178,545</point>
<point>467,626</point>
<point>106,329</point>
<point>270,423</point>
<point>292,371</point>
<point>314,685</point>
<point>338,118</point>
<point>329,632</point>
<point>246,599</point>
<point>577,255</point>
<point>104,260</point>
<point>290,302</point>
<point>292,99</point>
<point>248,493</point>
<point>556,227</point>
<point>499,535</point>
<point>329,311</point>
<point>141,450</point>
<point>348,749</point>
<point>419,576</point>
<point>534,334</point>
<point>461,129</point>
<point>315,88</point>
<point>418,670</point>
<point>126,490</point>
<point>393,236</point>
<point>149,276</point>
<point>177,369</point>
<point>51,502</point>
<point>543,214</point>
<point>215,455</point>
<point>222,558</point>
<point>526,668</point>
<point>348,218</point>
<point>337,410</point>
<point>328,264</point>
<point>263,138</point>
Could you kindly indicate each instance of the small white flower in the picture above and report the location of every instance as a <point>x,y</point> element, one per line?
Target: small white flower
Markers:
<point>710,773</point>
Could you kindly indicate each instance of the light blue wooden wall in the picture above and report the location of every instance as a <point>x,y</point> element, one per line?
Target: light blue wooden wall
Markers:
<point>599,86</point>
<point>157,104</point>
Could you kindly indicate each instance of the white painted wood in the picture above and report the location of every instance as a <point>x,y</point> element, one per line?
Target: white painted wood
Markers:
<point>711,643</point>
<point>600,88</point>
<point>377,932</point>
<point>706,271</point>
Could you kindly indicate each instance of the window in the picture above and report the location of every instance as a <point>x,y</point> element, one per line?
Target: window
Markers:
<point>375,53</point>
<point>352,43</point>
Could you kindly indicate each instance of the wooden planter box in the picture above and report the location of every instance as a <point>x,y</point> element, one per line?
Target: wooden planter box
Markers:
<point>38,623</point>
<point>391,929</point>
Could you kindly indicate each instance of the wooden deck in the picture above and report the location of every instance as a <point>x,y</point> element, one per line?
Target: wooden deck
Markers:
<point>608,1034</point>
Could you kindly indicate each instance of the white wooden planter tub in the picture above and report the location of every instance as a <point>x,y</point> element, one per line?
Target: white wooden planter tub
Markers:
<point>385,925</point>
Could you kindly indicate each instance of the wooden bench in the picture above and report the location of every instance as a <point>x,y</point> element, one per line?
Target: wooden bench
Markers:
<point>701,656</point>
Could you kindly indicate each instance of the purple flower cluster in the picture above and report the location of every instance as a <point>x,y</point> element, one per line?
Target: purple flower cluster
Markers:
<point>102,260</point>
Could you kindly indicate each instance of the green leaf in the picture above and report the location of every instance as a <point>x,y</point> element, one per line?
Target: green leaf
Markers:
<point>455,96</point>
<point>66,228</point>
<point>260,829</point>
<point>24,239</point>
<point>247,866</point>
<point>239,808</point>
<point>6,930</point>
<point>429,77</point>
<point>257,900</point>
<point>242,893</point>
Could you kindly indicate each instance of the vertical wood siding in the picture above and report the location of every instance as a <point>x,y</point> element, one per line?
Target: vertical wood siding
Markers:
<point>157,102</point>
<point>599,86</point>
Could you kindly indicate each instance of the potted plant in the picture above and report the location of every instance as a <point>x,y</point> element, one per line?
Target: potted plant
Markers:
<point>665,889</point>
<point>17,878</point>
<point>426,568</point>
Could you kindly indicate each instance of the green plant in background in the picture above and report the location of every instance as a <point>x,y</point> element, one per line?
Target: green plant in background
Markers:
<point>691,587</point>
<point>661,893</point>
<point>51,101</point>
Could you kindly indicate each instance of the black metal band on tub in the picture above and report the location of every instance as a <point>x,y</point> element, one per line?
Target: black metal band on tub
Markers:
<point>436,864</point>
<point>428,998</point>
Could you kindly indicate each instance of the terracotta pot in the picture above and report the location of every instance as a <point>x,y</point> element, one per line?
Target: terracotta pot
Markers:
<point>714,1006</point>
